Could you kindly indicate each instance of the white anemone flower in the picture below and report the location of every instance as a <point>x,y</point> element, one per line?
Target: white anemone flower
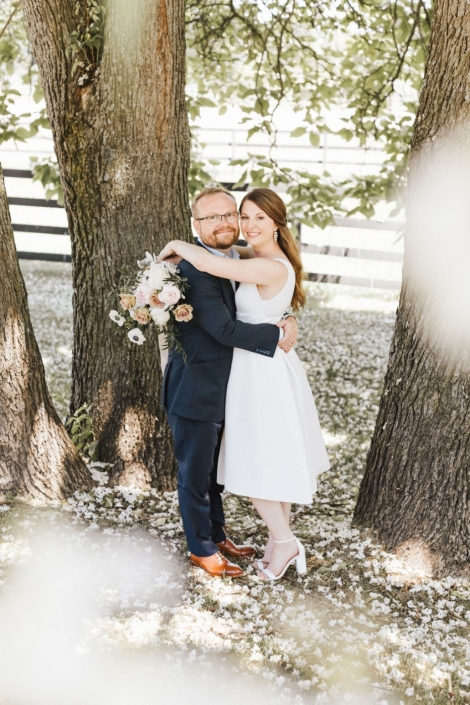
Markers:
<point>148,259</point>
<point>117,318</point>
<point>135,336</point>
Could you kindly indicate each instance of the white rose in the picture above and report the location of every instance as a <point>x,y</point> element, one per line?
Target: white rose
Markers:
<point>155,276</point>
<point>159,316</point>
<point>170,294</point>
<point>142,294</point>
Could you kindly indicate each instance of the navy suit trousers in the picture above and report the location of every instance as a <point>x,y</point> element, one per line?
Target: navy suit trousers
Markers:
<point>197,445</point>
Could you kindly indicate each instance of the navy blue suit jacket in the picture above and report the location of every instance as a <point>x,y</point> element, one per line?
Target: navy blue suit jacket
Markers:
<point>196,389</point>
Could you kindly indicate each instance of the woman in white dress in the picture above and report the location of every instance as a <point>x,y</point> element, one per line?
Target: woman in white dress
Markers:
<point>272,448</point>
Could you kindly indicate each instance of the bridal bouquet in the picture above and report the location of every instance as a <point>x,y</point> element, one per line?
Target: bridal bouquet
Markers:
<point>155,295</point>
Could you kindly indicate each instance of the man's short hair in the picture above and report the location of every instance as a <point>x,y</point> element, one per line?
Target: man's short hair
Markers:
<point>209,192</point>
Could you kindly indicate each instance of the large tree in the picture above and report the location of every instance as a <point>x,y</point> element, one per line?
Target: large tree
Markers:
<point>37,458</point>
<point>114,80</point>
<point>416,487</point>
<point>119,122</point>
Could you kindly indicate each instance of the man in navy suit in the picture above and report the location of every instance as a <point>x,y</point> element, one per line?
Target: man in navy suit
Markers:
<point>194,391</point>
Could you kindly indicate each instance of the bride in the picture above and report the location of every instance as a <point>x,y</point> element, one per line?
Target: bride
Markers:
<point>272,448</point>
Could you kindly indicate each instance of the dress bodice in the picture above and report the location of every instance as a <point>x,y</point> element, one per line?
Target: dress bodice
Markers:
<point>268,401</point>
<point>251,308</point>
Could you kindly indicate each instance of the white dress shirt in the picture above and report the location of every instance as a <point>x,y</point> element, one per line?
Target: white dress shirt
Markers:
<point>232,254</point>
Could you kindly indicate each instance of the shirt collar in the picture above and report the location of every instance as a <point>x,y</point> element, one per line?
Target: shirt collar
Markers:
<point>232,253</point>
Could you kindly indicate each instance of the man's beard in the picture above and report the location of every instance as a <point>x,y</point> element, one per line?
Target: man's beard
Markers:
<point>221,241</point>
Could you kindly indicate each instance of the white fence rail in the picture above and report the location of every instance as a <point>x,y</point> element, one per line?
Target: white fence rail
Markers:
<point>354,251</point>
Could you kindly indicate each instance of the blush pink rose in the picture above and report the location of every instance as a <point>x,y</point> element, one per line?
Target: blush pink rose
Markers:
<point>155,302</point>
<point>142,294</point>
<point>169,295</point>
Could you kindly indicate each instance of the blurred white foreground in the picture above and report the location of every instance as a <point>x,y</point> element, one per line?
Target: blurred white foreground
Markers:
<point>50,613</point>
<point>70,594</point>
<point>437,244</point>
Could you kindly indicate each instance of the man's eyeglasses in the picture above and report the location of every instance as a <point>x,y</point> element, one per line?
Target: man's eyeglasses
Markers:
<point>213,219</point>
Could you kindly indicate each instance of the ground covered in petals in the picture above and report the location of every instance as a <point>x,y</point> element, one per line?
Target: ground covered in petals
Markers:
<point>358,628</point>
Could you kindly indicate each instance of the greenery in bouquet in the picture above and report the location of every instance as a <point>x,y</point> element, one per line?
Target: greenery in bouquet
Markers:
<point>154,296</point>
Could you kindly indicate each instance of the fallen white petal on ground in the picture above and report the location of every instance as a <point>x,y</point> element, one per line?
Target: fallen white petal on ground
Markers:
<point>359,628</point>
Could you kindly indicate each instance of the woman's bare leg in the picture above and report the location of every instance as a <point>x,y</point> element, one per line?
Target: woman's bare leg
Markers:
<point>276,516</point>
<point>286,508</point>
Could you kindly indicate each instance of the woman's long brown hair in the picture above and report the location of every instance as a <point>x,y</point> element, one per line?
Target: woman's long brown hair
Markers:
<point>270,203</point>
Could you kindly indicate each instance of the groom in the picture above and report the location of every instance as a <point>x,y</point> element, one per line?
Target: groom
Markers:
<point>194,391</point>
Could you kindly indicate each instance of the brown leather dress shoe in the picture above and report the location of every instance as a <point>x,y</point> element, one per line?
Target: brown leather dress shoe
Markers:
<point>217,565</point>
<point>231,549</point>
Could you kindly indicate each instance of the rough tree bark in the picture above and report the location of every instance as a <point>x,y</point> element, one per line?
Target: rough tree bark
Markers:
<point>37,458</point>
<point>416,487</point>
<point>122,142</point>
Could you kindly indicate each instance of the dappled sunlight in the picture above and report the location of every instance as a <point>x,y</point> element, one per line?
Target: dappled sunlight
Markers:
<point>355,298</point>
<point>129,442</point>
<point>14,368</point>
<point>130,435</point>
<point>201,628</point>
<point>417,558</point>
<point>334,439</point>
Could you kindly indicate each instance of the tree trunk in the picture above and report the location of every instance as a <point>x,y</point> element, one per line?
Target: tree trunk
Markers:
<point>121,136</point>
<point>416,487</point>
<point>37,458</point>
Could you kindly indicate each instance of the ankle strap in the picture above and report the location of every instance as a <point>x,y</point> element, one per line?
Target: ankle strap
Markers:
<point>286,541</point>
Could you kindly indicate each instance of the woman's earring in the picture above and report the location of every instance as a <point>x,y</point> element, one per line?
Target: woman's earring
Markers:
<point>276,234</point>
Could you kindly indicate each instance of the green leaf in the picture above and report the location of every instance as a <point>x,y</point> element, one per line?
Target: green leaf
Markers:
<point>241,181</point>
<point>252,131</point>
<point>298,132</point>
<point>22,134</point>
<point>314,138</point>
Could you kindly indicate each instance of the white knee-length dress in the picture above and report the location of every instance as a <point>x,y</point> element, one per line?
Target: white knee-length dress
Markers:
<point>272,447</point>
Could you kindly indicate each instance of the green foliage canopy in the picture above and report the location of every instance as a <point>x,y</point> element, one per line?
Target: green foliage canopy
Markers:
<point>16,67</point>
<point>363,57</point>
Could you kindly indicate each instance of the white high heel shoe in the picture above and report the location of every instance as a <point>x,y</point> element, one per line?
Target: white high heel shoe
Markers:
<point>299,560</point>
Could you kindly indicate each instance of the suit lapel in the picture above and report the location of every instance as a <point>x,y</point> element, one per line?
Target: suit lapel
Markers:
<point>227,289</point>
